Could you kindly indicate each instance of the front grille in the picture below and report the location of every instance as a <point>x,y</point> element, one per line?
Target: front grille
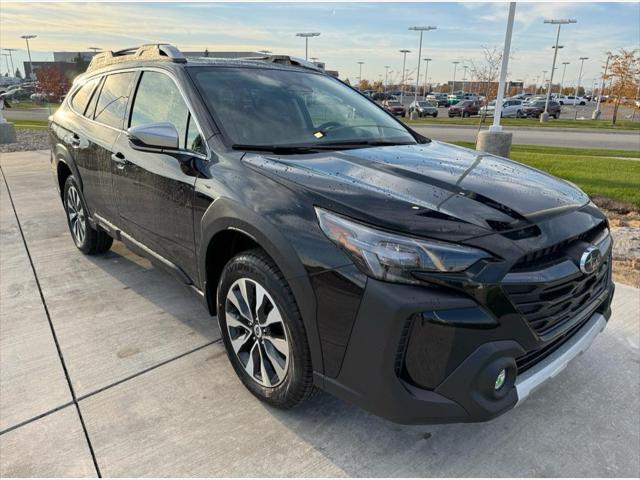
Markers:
<point>529,359</point>
<point>549,306</point>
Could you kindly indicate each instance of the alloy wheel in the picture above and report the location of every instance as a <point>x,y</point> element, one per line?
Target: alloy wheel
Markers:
<point>76,214</point>
<point>257,332</point>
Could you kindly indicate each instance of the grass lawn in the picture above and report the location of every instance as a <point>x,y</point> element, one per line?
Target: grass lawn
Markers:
<point>30,123</point>
<point>529,122</point>
<point>603,173</point>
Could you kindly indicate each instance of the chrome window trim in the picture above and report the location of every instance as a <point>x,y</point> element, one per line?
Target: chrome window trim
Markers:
<point>133,93</point>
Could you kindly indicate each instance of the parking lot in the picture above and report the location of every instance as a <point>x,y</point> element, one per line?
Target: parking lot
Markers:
<point>109,366</point>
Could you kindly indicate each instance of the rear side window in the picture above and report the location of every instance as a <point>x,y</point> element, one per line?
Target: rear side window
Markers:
<point>158,99</point>
<point>112,103</point>
<point>81,98</point>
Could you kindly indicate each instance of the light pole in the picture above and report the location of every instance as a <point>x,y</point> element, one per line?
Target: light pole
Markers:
<point>307,36</point>
<point>421,30</point>
<point>6,59</point>
<point>494,140</point>
<point>360,77</point>
<point>596,113</point>
<point>464,77</point>
<point>545,115</point>
<point>575,95</point>
<point>455,67</point>
<point>426,72</point>
<point>404,62</point>
<point>13,72</point>
<point>564,70</point>
<point>386,77</point>
<point>26,39</point>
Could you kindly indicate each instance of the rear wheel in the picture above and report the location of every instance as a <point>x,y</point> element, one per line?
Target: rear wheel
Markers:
<point>263,331</point>
<point>89,240</point>
<point>465,114</point>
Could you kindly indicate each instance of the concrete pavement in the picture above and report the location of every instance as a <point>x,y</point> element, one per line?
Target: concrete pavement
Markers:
<point>108,365</point>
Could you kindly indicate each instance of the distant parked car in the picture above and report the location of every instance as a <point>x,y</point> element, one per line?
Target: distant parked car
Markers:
<point>395,107</point>
<point>380,96</point>
<point>439,99</point>
<point>537,108</point>
<point>510,108</point>
<point>465,108</point>
<point>570,100</point>
<point>424,108</point>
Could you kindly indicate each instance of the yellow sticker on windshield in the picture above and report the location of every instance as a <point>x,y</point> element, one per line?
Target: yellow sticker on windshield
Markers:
<point>318,134</point>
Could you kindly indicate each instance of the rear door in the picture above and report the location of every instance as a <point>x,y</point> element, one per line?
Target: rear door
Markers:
<point>154,190</point>
<point>95,138</point>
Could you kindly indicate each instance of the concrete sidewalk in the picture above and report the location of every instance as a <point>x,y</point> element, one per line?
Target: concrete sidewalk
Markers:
<point>108,366</point>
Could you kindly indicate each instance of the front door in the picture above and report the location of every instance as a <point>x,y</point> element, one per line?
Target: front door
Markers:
<point>154,190</point>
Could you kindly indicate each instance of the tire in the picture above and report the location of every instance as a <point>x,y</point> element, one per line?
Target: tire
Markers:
<point>435,115</point>
<point>287,380</point>
<point>465,114</point>
<point>89,240</point>
<point>556,116</point>
<point>519,114</point>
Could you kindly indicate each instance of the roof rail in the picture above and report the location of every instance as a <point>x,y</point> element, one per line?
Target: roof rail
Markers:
<point>152,51</point>
<point>286,60</point>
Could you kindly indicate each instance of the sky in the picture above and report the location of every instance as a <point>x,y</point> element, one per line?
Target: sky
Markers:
<point>350,32</point>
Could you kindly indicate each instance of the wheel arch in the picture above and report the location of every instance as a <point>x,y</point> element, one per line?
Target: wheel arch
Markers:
<point>227,228</point>
<point>64,166</point>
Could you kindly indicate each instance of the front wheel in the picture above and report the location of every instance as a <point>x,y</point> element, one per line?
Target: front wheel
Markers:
<point>465,114</point>
<point>89,240</point>
<point>263,331</point>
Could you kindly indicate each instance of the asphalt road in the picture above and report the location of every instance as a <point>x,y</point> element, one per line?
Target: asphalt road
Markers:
<point>592,138</point>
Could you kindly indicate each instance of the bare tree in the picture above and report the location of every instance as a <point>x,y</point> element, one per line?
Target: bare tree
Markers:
<point>486,72</point>
<point>625,66</point>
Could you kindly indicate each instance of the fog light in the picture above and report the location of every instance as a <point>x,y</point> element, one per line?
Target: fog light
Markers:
<point>500,379</point>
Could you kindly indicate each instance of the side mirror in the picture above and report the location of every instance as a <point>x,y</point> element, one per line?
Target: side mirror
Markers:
<point>154,136</point>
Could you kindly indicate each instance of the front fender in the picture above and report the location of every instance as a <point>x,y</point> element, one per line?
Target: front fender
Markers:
<point>225,214</point>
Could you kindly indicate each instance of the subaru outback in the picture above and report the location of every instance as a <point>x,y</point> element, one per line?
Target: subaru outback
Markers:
<point>337,248</point>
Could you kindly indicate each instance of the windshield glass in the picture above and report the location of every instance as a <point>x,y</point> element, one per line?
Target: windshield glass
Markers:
<point>424,104</point>
<point>261,106</point>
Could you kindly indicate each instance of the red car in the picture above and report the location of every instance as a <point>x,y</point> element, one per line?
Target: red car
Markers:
<point>536,108</point>
<point>395,107</point>
<point>465,108</point>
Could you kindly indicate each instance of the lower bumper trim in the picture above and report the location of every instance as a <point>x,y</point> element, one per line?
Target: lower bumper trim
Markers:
<point>552,365</point>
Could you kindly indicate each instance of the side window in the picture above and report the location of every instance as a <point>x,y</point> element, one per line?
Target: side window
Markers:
<point>81,98</point>
<point>114,96</point>
<point>158,99</point>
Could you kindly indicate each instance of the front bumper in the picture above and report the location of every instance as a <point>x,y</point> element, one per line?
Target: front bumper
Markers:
<point>376,372</point>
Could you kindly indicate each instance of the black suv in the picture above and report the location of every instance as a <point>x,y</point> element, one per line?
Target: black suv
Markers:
<point>338,248</point>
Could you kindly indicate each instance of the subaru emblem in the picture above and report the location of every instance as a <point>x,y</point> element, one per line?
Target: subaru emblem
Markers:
<point>590,259</point>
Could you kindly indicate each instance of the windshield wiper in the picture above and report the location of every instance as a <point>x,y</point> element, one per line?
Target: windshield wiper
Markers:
<point>278,149</point>
<point>316,147</point>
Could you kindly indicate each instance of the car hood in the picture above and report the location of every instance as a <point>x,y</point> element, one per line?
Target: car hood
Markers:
<point>432,189</point>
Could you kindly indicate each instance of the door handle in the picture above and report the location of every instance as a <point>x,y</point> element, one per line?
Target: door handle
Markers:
<point>120,160</point>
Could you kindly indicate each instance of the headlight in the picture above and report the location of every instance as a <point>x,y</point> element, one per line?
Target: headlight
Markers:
<point>391,257</point>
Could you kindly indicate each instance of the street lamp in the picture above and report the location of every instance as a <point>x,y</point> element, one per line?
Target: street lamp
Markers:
<point>307,36</point>
<point>26,39</point>
<point>545,115</point>
<point>13,72</point>
<point>575,96</point>
<point>386,77</point>
<point>6,59</point>
<point>455,67</point>
<point>564,70</point>
<point>360,77</point>
<point>404,62</point>
<point>596,112</point>
<point>421,30</point>
<point>464,77</point>
<point>426,72</point>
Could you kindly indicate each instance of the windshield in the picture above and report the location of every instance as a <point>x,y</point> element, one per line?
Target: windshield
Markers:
<point>424,104</point>
<point>261,106</point>
<point>393,104</point>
